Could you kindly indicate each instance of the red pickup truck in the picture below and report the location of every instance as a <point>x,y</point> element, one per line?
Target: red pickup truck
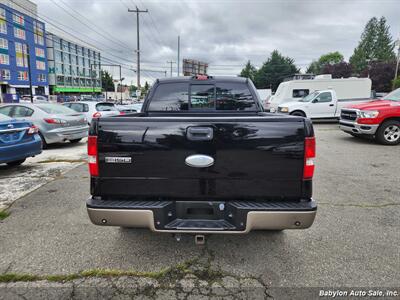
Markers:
<point>379,119</point>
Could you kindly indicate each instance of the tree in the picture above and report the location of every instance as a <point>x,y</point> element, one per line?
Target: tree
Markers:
<point>145,88</point>
<point>396,83</point>
<point>376,44</point>
<point>249,71</point>
<point>338,70</point>
<point>384,44</point>
<point>132,89</point>
<point>107,81</point>
<point>381,74</point>
<point>313,68</point>
<point>274,70</point>
<point>330,58</point>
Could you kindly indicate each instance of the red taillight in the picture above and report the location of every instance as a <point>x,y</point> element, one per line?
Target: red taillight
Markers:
<point>309,155</point>
<point>92,156</point>
<point>96,115</point>
<point>54,121</point>
<point>33,129</point>
<point>201,77</point>
<point>121,113</point>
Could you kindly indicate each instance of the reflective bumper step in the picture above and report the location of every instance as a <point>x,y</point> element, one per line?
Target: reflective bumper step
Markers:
<point>183,224</point>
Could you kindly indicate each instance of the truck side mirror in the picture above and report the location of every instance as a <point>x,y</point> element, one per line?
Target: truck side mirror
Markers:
<point>316,100</point>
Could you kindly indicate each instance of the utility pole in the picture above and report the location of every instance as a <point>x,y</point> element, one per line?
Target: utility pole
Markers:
<point>138,11</point>
<point>179,49</point>
<point>171,62</point>
<point>29,71</point>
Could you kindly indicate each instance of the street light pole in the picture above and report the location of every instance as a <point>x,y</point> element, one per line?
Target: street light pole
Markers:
<point>91,76</point>
<point>120,81</point>
<point>179,51</point>
<point>29,72</point>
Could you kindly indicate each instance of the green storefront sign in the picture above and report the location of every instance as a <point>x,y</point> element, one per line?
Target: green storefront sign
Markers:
<point>59,89</point>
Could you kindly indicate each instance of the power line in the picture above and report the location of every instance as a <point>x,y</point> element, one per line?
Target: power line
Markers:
<point>45,19</point>
<point>123,66</point>
<point>138,11</point>
<point>93,27</point>
<point>154,37</point>
<point>171,62</point>
<point>151,43</point>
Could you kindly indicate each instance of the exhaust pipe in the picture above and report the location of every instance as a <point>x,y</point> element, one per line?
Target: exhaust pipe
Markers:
<point>199,239</point>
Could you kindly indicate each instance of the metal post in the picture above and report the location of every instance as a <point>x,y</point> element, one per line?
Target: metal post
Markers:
<point>137,11</point>
<point>171,62</point>
<point>91,76</point>
<point>120,82</point>
<point>179,49</point>
<point>29,72</point>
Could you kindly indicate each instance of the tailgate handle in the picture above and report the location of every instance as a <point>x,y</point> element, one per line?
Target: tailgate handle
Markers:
<point>199,133</point>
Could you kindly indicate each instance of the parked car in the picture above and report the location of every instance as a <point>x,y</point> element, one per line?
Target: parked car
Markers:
<point>93,109</point>
<point>202,157</point>
<point>19,139</point>
<point>318,105</point>
<point>379,119</point>
<point>295,90</point>
<point>36,98</point>
<point>56,123</point>
<point>130,108</point>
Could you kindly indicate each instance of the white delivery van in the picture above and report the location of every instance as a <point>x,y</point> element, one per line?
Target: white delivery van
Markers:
<point>346,89</point>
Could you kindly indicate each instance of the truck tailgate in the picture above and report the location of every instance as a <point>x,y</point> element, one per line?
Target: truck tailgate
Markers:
<point>144,158</point>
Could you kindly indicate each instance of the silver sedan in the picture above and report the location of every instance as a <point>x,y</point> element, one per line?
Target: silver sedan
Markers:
<point>56,123</point>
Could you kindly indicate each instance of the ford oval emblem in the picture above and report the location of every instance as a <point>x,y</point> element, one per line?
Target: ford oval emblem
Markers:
<point>199,161</point>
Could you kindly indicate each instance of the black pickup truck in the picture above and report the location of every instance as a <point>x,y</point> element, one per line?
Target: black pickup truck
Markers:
<point>202,157</point>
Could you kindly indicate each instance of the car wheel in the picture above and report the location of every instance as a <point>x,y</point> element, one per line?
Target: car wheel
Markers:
<point>298,113</point>
<point>389,133</point>
<point>75,141</point>
<point>44,144</point>
<point>15,163</point>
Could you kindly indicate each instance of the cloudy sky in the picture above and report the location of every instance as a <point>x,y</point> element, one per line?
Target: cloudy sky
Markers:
<point>223,33</point>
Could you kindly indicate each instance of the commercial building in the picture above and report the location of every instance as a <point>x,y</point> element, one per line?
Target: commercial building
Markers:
<point>21,34</point>
<point>74,69</point>
<point>193,67</point>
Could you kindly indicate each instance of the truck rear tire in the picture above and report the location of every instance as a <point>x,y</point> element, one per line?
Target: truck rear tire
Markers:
<point>388,133</point>
<point>298,113</point>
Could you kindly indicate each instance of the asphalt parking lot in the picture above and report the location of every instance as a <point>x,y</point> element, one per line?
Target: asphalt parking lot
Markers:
<point>354,241</point>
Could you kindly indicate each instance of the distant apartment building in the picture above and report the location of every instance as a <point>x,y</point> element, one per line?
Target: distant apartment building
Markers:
<point>21,34</point>
<point>73,68</point>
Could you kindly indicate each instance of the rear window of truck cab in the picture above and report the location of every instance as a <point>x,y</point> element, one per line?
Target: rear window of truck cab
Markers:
<point>220,96</point>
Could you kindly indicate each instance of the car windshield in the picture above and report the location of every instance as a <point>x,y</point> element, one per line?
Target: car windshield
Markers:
<point>393,96</point>
<point>309,97</point>
<point>55,109</point>
<point>4,118</point>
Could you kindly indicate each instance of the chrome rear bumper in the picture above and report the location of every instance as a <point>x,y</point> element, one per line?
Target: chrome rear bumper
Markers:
<point>255,220</point>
